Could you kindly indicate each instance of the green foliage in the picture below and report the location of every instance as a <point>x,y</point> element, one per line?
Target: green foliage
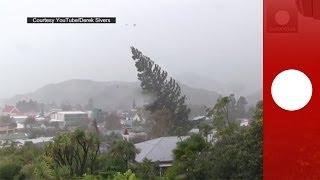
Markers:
<point>9,169</point>
<point>42,169</point>
<point>166,91</point>
<point>190,159</point>
<point>236,153</point>
<point>92,177</point>
<point>18,163</point>
<point>77,150</point>
<point>241,107</point>
<point>112,137</point>
<point>121,153</point>
<point>147,169</point>
<point>226,110</point>
<point>205,129</point>
<point>5,119</point>
<point>125,176</point>
<point>220,113</point>
<point>162,120</point>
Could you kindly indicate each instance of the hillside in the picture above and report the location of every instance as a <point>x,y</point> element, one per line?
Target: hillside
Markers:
<point>195,80</point>
<point>106,95</point>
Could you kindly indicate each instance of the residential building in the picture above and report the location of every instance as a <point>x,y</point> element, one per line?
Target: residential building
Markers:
<point>244,122</point>
<point>7,128</point>
<point>19,119</point>
<point>70,118</point>
<point>10,110</point>
<point>158,150</point>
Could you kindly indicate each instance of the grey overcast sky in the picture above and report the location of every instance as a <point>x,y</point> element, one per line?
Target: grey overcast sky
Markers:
<point>220,39</point>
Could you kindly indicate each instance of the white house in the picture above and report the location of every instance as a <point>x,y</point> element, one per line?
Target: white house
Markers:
<point>69,118</point>
<point>19,119</point>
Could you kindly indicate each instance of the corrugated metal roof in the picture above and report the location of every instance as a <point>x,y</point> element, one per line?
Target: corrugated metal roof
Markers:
<point>159,149</point>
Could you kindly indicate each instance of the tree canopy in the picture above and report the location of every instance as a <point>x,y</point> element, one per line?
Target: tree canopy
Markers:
<point>166,92</point>
<point>236,153</point>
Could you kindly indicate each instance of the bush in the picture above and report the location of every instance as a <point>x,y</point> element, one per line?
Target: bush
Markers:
<point>8,170</point>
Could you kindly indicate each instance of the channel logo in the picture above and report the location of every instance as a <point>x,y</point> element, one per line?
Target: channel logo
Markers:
<point>282,18</point>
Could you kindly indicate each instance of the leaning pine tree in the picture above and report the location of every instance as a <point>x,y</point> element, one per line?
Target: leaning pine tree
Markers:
<point>166,92</point>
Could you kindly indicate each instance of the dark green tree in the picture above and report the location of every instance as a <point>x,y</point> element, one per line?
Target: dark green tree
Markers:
<point>191,160</point>
<point>220,113</point>
<point>241,107</point>
<point>30,122</point>
<point>205,129</point>
<point>147,169</point>
<point>237,153</point>
<point>165,90</point>
<point>232,107</point>
<point>162,119</point>
<point>121,154</point>
<point>9,169</point>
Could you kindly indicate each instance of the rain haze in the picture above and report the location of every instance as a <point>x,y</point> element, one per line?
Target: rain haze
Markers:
<point>215,39</point>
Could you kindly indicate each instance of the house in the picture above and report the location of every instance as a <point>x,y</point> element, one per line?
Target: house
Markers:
<point>19,119</point>
<point>10,110</point>
<point>158,150</point>
<point>11,137</point>
<point>21,139</point>
<point>199,118</point>
<point>137,118</point>
<point>134,136</point>
<point>70,118</point>
<point>59,124</point>
<point>7,128</point>
<point>244,122</point>
<point>132,118</point>
<point>37,141</point>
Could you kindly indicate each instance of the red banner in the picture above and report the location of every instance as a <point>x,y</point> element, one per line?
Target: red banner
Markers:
<point>291,41</point>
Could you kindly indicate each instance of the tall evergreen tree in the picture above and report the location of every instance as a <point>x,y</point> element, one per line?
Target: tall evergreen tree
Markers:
<point>165,90</point>
<point>232,107</point>
<point>241,107</point>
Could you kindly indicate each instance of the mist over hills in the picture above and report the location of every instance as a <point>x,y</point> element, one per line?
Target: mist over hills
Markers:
<point>196,80</point>
<point>252,91</point>
<point>109,95</point>
<point>222,87</point>
<point>113,95</point>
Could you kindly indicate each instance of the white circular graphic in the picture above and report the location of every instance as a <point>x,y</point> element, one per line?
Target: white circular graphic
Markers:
<point>291,90</point>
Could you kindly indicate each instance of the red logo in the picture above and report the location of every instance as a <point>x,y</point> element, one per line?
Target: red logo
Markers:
<point>282,20</point>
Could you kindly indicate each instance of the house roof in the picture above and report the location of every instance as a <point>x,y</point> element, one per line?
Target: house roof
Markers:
<point>10,109</point>
<point>13,136</point>
<point>72,112</point>
<point>160,149</point>
<point>198,118</point>
<point>35,140</point>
